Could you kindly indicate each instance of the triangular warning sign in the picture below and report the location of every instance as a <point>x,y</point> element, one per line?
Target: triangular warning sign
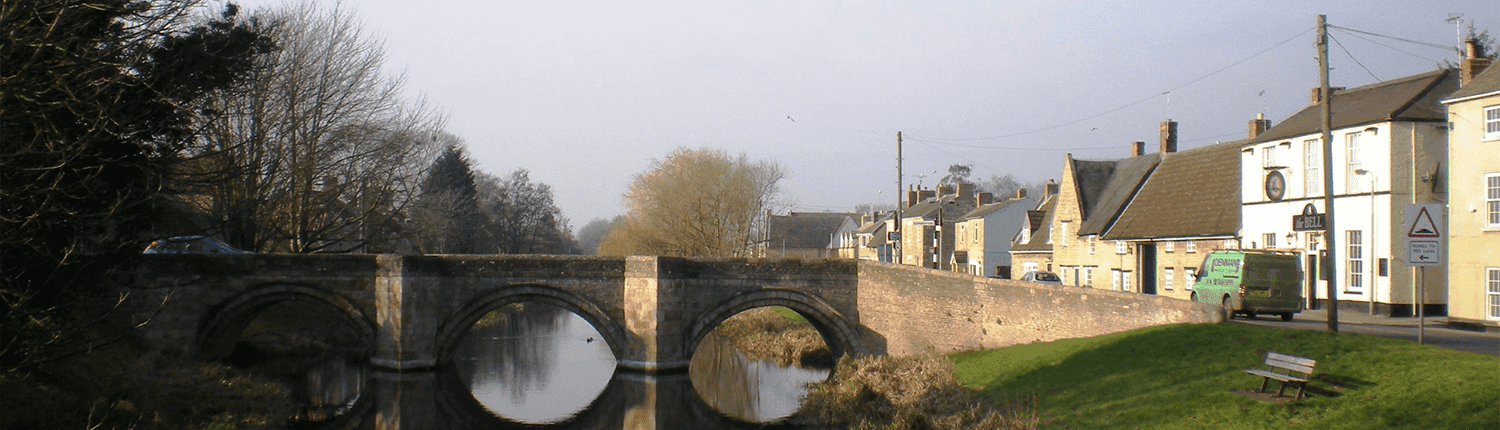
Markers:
<point>1422,226</point>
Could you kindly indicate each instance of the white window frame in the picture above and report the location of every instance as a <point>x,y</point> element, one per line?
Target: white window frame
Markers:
<point>1114,279</point>
<point>1121,248</point>
<point>1269,239</point>
<point>1354,161</point>
<point>1029,266</point>
<point>1191,246</point>
<point>1312,157</point>
<point>1088,276</point>
<point>1268,156</point>
<point>1354,256</point>
<point>1168,246</point>
<point>1125,280</point>
<point>1063,235</point>
<point>1492,201</point>
<point>1231,244</point>
<point>1166,278</point>
<point>1492,122</point>
<point>1091,244</point>
<point>1189,277</point>
<point>1492,293</point>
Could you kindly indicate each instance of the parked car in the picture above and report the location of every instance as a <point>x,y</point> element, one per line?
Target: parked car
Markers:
<point>190,245</point>
<point>1251,282</point>
<point>1041,276</point>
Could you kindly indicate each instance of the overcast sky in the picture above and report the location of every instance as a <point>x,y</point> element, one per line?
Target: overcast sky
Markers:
<point>586,94</point>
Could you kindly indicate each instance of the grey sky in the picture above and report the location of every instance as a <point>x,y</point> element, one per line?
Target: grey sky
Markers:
<point>585,94</point>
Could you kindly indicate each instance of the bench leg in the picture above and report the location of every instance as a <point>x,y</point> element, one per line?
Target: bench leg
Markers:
<point>1299,390</point>
<point>1263,382</point>
<point>1282,391</point>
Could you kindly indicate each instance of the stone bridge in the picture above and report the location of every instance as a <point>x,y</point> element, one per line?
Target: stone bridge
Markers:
<point>652,311</point>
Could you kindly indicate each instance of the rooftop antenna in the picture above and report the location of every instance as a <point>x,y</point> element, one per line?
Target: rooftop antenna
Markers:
<point>1458,26</point>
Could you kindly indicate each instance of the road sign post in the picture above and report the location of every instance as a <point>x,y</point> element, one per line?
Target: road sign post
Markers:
<point>1424,247</point>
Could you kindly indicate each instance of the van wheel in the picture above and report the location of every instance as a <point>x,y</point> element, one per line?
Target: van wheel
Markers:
<point>1250,314</point>
<point>1228,309</point>
<point>1286,316</point>
<point>1193,297</point>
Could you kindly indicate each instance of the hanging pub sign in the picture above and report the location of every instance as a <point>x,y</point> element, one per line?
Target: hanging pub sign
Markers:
<point>1309,220</point>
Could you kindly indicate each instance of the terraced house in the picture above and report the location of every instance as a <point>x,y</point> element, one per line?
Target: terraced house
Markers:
<point>1473,229</point>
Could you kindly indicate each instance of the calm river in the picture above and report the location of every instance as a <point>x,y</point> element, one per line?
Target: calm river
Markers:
<point>543,367</point>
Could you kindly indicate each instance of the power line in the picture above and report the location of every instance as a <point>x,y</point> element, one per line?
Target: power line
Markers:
<point>1432,45</point>
<point>1392,47</point>
<point>1159,94</point>
<point>1351,57</point>
<point>929,142</point>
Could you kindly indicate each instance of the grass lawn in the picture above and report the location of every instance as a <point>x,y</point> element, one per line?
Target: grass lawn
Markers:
<point>1186,376</point>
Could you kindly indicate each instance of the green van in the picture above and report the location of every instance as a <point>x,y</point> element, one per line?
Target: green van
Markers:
<point>1251,282</point>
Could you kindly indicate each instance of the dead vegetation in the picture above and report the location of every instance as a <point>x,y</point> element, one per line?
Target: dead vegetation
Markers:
<point>764,334</point>
<point>916,392</point>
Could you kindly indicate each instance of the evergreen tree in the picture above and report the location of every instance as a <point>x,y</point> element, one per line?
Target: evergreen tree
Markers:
<point>448,214</point>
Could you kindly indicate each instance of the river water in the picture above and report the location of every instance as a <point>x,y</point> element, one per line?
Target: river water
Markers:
<point>538,366</point>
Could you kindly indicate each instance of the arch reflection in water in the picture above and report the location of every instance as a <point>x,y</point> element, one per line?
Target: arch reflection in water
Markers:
<point>755,390</point>
<point>534,363</point>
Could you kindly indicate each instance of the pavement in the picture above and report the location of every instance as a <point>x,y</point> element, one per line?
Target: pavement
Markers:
<point>1434,332</point>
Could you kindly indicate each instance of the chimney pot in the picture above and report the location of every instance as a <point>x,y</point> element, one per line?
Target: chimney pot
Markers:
<point>1137,149</point>
<point>1168,137</point>
<point>1259,125</point>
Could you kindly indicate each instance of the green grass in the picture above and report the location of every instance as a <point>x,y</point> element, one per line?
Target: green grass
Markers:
<point>1185,376</point>
<point>790,314</point>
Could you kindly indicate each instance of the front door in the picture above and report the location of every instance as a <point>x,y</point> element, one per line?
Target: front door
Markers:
<point>1148,268</point>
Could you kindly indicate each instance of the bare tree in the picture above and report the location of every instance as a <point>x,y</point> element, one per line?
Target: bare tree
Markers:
<point>317,151</point>
<point>522,218</point>
<point>699,202</point>
<point>593,233</point>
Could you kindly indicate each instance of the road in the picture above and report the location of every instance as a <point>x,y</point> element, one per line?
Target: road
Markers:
<point>1436,333</point>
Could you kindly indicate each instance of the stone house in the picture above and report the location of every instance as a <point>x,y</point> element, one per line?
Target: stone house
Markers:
<point>927,225</point>
<point>1031,248</point>
<point>982,237</point>
<point>806,235</point>
<point>871,241</point>
<point>1389,143</point>
<point>1091,195</point>
<point>1473,229</point>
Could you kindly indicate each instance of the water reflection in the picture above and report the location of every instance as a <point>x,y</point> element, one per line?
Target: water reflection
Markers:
<point>534,363</point>
<point>538,366</point>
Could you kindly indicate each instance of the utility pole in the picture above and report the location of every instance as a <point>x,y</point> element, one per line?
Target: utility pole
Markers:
<point>900,196</point>
<point>1330,234</point>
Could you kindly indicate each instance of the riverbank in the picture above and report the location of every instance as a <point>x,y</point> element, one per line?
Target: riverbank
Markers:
<point>777,335</point>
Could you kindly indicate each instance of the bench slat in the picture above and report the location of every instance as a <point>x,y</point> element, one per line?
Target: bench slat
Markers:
<point>1290,366</point>
<point>1274,375</point>
<point>1291,359</point>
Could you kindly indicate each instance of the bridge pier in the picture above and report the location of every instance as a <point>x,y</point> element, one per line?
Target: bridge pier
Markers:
<point>647,320</point>
<point>403,338</point>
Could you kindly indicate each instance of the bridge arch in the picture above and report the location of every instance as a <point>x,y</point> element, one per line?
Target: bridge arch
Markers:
<point>224,323</point>
<point>836,329</point>
<point>456,324</point>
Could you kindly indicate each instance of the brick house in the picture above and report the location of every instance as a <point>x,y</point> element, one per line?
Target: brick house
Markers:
<point>1473,229</point>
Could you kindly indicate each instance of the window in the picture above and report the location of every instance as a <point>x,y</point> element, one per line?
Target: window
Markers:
<point>1063,273</point>
<point>1088,276</point>
<point>1120,247</point>
<point>1356,261</point>
<point>1492,200</point>
<point>1492,289</point>
<point>1167,246</point>
<point>1231,244</point>
<point>1492,122</point>
<point>1125,280</point>
<point>976,232</point>
<point>1114,279</point>
<point>1166,278</point>
<point>1091,244</point>
<point>1063,235</point>
<point>1269,239</point>
<point>1268,157</point>
<point>1029,266</point>
<point>1313,165</point>
<point>1189,277</point>
<point>1354,182</point>
<point>1191,246</point>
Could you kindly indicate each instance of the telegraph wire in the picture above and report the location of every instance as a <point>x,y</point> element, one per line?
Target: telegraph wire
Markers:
<point>939,140</point>
<point>1352,57</point>
<point>1392,47</point>
<point>1431,45</point>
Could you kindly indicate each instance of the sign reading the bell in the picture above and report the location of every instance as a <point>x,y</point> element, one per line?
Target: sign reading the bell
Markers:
<point>1424,236</point>
<point>1309,220</point>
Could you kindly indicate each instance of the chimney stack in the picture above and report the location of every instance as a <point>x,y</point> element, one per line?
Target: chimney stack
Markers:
<point>911,196</point>
<point>1259,125</point>
<point>1474,62</point>
<point>923,195</point>
<point>1168,137</point>
<point>1021,193</point>
<point>984,199</point>
<point>966,191</point>
<point>1137,149</point>
<point>1049,190</point>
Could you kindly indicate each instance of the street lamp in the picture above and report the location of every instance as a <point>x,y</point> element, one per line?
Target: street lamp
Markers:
<point>1373,258</point>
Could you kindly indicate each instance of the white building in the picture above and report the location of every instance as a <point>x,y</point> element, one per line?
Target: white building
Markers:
<point>1389,148</point>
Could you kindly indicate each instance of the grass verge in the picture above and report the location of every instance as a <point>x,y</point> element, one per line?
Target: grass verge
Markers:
<point>1187,376</point>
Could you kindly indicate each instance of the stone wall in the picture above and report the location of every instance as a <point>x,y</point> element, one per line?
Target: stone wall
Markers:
<point>905,310</point>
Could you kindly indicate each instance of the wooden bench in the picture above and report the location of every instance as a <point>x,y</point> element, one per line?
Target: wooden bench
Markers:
<point>1285,368</point>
